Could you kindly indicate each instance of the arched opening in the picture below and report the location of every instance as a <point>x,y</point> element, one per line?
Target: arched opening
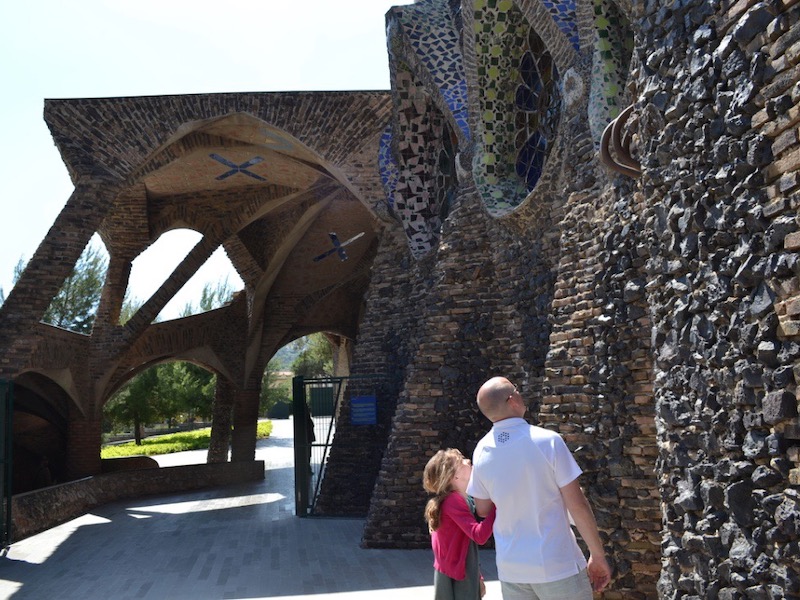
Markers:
<point>39,432</point>
<point>168,397</point>
<point>75,305</point>
<point>153,267</point>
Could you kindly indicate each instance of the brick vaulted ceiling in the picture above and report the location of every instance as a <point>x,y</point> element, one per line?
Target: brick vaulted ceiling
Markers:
<point>287,183</point>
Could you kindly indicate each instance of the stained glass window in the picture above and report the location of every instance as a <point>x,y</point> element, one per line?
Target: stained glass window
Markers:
<point>538,100</point>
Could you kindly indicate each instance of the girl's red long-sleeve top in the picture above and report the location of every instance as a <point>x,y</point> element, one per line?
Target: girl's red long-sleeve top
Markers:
<point>457,526</point>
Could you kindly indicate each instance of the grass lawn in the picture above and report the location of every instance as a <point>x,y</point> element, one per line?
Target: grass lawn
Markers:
<point>173,442</point>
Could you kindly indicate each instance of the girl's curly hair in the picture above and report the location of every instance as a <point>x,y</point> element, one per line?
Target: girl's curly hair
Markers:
<point>437,479</point>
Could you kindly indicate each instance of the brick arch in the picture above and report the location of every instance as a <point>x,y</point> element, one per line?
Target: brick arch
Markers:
<point>206,361</point>
<point>212,340</point>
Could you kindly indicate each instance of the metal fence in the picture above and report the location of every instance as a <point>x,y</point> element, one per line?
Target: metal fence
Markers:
<point>316,404</point>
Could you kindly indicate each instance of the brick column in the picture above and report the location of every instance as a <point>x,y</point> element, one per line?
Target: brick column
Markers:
<point>83,446</point>
<point>245,421</point>
<point>224,396</point>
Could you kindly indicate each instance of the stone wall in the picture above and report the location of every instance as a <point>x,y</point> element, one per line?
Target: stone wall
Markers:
<point>42,509</point>
<point>716,92</point>
<point>652,321</point>
<point>565,317</point>
<point>552,295</point>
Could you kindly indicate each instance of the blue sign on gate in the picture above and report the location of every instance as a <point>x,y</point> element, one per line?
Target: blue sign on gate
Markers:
<point>363,410</point>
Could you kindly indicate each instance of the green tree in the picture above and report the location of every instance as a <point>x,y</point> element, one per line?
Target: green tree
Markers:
<point>129,308</point>
<point>274,389</point>
<point>136,403</point>
<point>18,269</point>
<point>185,389</point>
<point>75,305</point>
<point>315,358</point>
<point>212,296</point>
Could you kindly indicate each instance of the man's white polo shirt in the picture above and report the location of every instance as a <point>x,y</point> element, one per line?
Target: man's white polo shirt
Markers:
<point>520,468</point>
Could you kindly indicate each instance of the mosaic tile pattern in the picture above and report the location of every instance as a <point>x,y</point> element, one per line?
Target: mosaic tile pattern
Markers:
<point>426,162</point>
<point>610,63</point>
<point>431,33</point>
<point>538,98</point>
<point>417,156</point>
<point>519,107</point>
<point>564,15</point>
<point>387,165</point>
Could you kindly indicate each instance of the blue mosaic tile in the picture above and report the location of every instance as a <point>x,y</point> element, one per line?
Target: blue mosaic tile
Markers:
<point>564,14</point>
<point>430,31</point>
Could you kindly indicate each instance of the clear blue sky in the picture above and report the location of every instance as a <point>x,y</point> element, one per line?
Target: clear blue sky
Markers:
<point>106,48</point>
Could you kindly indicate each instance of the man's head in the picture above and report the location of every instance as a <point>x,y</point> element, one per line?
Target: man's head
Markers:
<point>499,399</point>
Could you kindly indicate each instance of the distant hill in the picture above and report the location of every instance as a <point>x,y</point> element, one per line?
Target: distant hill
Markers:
<point>283,359</point>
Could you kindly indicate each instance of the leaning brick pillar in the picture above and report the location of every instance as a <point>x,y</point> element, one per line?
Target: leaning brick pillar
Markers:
<point>245,422</point>
<point>224,396</point>
<point>50,265</point>
<point>83,446</point>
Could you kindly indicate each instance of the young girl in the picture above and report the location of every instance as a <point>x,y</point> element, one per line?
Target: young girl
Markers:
<point>455,533</point>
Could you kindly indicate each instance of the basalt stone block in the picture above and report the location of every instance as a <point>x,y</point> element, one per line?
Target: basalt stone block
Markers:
<point>728,534</point>
<point>767,352</point>
<point>777,107</point>
<point>740,503</point>
<point>748,274</point>
<point>753,419</point>
<point>712,494</point>
<point>755,444</point>
<point>787,515</point>
<point>755,21</point>
<point>688,497</point>
<point>789,351</point>
<point>737,125</point>
<point>783,377</point>
<point>752,374</point>
<point>778,230</point>
<point>778,406</point>
<point>776,536</point>
<point>764,477</point>
<point>741,554</point>
<point>776,444</point>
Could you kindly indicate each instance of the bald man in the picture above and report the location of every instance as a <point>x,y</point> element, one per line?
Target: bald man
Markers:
<point>530,475</point>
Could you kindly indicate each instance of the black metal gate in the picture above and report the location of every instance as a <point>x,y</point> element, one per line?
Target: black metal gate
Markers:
<point>315,406</point>
<point>6,414</point>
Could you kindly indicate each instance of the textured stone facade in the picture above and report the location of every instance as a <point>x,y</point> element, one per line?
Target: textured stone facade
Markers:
<point>595,199</point>
<point>651,319</point>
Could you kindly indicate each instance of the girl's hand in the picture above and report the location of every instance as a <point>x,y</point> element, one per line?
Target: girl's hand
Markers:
<point>483,588</point>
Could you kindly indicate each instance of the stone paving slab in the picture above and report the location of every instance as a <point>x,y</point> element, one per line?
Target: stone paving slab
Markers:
<point>236,542</point>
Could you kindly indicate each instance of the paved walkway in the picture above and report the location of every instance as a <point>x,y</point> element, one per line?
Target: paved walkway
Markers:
<point>237,542</point>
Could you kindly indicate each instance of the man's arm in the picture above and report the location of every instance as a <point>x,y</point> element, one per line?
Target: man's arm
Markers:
<point>578,507</point>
